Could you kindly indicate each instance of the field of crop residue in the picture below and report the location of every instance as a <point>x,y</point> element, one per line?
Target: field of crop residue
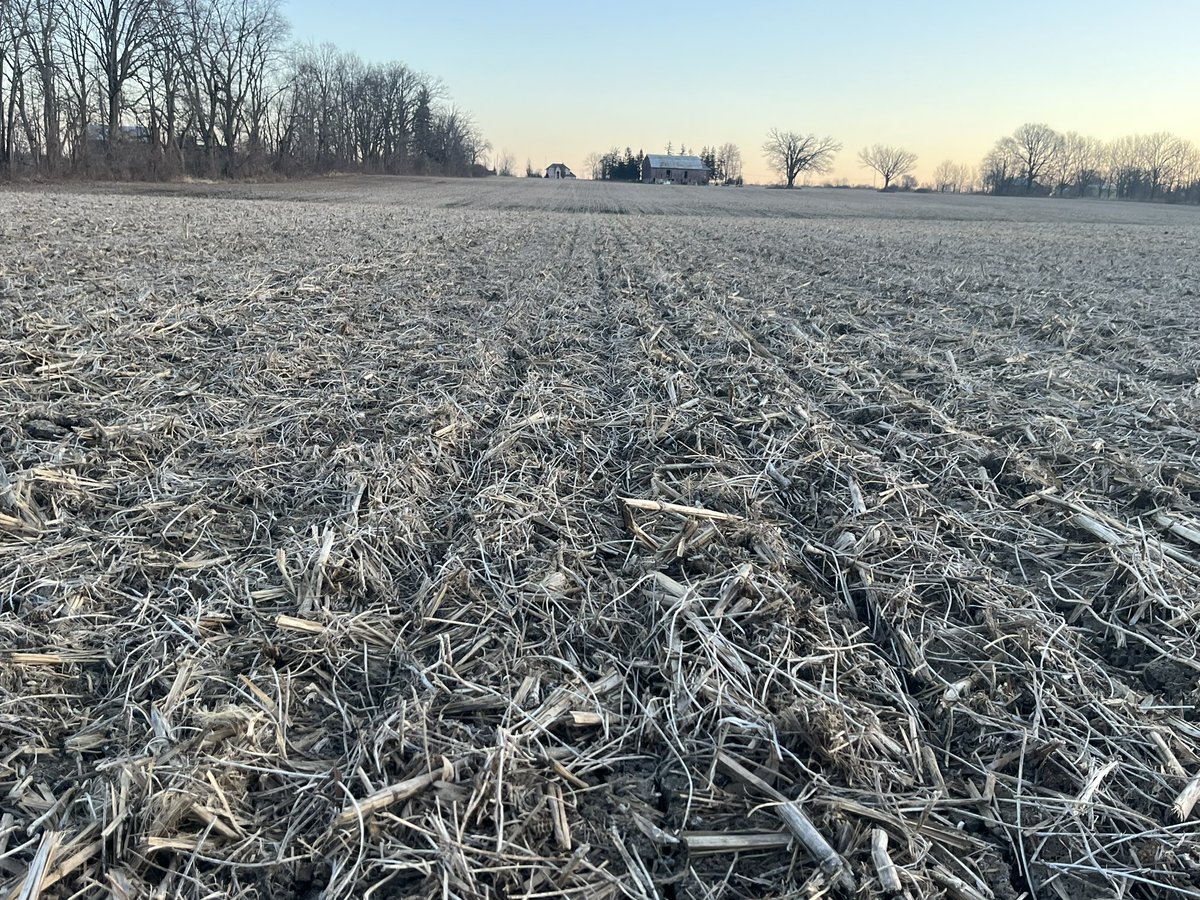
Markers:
<point>404,538</point>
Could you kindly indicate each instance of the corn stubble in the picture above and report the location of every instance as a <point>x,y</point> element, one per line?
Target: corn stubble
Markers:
<point>409,539</point>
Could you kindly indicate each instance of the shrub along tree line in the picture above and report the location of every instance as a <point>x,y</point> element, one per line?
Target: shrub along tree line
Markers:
<point>159,88</point>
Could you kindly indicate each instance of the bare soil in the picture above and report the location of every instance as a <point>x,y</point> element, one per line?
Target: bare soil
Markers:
<point>410,538</point>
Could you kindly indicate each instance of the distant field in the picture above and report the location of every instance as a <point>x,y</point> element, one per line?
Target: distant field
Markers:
<point>598,197</point>
<point>529,539</point>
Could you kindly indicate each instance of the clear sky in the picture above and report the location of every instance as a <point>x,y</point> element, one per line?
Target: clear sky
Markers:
<point>554,81</point>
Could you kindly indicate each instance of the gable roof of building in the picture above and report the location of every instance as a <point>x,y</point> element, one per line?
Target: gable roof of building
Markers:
<point>662,161</point>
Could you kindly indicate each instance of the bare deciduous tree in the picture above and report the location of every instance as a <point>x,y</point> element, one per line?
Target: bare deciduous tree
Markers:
<point>7,48</point>
<point>1158,155</point>
<point>504,163</point>
<point>1189,172</point>
<point>1036,147</point>
<point>1109,166</point>
<point>455,144</point>
<point>954,177</point>
<point>337,112</point>
<point>968,179</point>
<point>1077,166</point>
<point>42,21</point>
<point>12,79</point>
<point>1134,167</point>
<point>729,163</point>
<point>227,48</point>
<point>208,75</point>
<point>789,153</point>
<point>165,90</point>
<point>80,80</point>
<point>889,162</point>
<point>945,176</point>
<point>591,165</point>
<point>1001,167</point>
<point>119,36</point>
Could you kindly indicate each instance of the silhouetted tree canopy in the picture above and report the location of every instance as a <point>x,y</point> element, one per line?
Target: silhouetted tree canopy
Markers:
<point>153,88</point>
<point>889,162</point>
<point>789,153</point>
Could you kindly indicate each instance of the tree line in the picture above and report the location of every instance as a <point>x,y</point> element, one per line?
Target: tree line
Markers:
<point>157,88</point>
<point>1035,159</point>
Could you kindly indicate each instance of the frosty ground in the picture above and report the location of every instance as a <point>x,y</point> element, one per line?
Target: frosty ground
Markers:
<point>514,538</point>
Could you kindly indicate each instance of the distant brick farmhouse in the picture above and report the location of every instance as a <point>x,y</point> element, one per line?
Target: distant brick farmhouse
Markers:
<point>674,170</point>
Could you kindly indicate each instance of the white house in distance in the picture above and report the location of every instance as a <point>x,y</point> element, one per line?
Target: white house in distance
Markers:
<point>558,171</point>
<point>657,169</point>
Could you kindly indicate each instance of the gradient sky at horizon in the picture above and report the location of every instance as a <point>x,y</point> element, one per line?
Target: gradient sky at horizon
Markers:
<point>555,82</point>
